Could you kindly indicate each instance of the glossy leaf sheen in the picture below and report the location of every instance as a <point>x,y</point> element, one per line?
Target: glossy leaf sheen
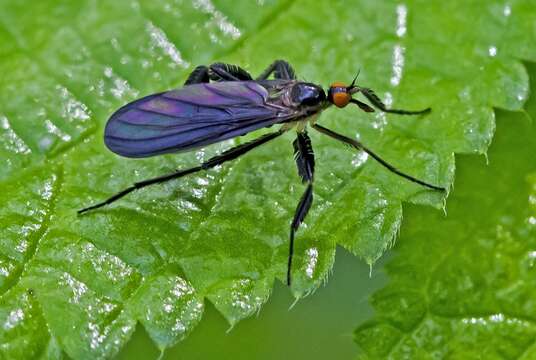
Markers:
<point>79,285</point>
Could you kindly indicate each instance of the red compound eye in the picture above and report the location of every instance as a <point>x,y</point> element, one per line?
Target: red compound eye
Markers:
<point>339,94</point>
<point>341,99</point>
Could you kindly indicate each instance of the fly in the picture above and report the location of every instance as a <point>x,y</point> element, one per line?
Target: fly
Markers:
<point>223,101</point>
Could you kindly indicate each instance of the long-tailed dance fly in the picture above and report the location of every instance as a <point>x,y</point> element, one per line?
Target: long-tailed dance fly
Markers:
<point>223,101</point>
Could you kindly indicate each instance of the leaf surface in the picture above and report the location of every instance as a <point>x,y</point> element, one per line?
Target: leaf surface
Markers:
<point>158,254</point>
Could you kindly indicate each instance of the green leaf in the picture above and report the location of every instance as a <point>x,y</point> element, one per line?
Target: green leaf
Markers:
<point>462,286</point>
<point>78,285</point>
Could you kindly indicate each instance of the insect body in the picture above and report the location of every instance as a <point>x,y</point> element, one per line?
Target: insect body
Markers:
<point>234,104</point>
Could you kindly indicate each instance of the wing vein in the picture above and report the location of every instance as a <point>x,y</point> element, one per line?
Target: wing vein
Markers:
<point>191,117</point>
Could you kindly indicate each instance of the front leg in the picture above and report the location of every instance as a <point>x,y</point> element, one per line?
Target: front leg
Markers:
<point>305,160</point>
<point>376,101</point>
<point>357,145</point>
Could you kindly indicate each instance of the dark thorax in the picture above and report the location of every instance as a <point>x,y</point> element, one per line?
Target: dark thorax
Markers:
<point>305,98</point>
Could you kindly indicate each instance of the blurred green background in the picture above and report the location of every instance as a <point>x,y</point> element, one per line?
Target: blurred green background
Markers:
<point>320,326</point>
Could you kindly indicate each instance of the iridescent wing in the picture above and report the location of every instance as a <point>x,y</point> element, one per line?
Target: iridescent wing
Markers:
<point>191,117</point>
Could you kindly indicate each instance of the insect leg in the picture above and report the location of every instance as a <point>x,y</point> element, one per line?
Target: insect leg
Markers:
<point>199,75</point>
<point>356,144</point>
<point>375,100</point>
<point>362,105</point>
<point>227,155</point>
<point>281,70</point>
<point>305,160</point>
<point>228,72</point>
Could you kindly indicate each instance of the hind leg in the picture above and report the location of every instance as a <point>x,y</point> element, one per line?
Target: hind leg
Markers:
<point>281,70</point>
<point>217,72</point>
<point>228,72</point>
<point>198,76</point>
